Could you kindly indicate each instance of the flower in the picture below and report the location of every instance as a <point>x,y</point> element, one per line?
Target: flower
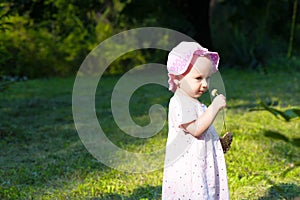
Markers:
<point>214,92</point>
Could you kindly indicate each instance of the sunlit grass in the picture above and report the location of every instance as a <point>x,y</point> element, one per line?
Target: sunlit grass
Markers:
<point>42,156</point>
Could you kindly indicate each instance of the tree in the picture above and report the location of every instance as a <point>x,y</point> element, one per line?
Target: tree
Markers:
<point>188,16</point>
<point>198,13</point>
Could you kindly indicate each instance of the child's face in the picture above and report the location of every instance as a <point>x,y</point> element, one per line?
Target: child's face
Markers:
<point>196,81</point>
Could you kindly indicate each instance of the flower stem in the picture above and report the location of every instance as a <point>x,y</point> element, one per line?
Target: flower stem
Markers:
<point>224,123</point>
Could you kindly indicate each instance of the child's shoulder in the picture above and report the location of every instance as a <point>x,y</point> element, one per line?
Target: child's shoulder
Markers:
<point>181,100</point>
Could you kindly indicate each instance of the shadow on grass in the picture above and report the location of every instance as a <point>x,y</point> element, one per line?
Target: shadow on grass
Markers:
<point>40,148</point>
<point>283,191</point>
<point>279,136</point>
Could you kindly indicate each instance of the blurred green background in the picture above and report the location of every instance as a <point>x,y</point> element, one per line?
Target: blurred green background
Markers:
<point>42,38</point>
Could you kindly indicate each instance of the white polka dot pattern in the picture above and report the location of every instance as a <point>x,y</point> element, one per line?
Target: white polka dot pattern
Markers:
<point>200,171</point>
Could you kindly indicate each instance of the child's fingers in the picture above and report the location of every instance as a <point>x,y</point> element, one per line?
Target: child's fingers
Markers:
<point>219,103</point>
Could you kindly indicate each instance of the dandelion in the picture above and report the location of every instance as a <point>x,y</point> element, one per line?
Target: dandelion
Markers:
<point>214,92</point>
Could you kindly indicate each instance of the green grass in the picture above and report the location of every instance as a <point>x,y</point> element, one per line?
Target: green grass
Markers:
<point>42,156</point>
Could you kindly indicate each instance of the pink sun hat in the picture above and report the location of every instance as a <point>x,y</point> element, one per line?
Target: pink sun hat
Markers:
<point>181,56</point>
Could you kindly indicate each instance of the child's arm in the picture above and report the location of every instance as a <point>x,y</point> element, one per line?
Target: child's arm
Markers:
<point>198,126</point>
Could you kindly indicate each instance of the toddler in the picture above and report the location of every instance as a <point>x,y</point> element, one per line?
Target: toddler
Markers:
<point>194,163</point>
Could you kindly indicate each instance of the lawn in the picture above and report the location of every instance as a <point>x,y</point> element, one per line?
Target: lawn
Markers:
<point>42,156</point>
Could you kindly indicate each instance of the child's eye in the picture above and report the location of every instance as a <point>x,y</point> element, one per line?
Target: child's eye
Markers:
<point>199,78</point>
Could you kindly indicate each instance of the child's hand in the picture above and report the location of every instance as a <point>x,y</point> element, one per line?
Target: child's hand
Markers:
<point>219,102</point>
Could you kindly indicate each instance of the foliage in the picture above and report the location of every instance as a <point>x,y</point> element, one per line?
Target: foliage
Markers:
<point>287,114</point>
<point>4,53</point>
<point>253,32</point>
<point>293,23</point>
<point>48,37</point>
<point>51,38</point>
<point>4,13</point>
<point>169,14</point>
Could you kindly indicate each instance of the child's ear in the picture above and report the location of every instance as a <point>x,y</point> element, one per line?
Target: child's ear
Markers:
<point>177,80</point>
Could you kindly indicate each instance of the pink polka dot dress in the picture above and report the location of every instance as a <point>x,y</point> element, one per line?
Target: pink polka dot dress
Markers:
<point>194,167</point>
